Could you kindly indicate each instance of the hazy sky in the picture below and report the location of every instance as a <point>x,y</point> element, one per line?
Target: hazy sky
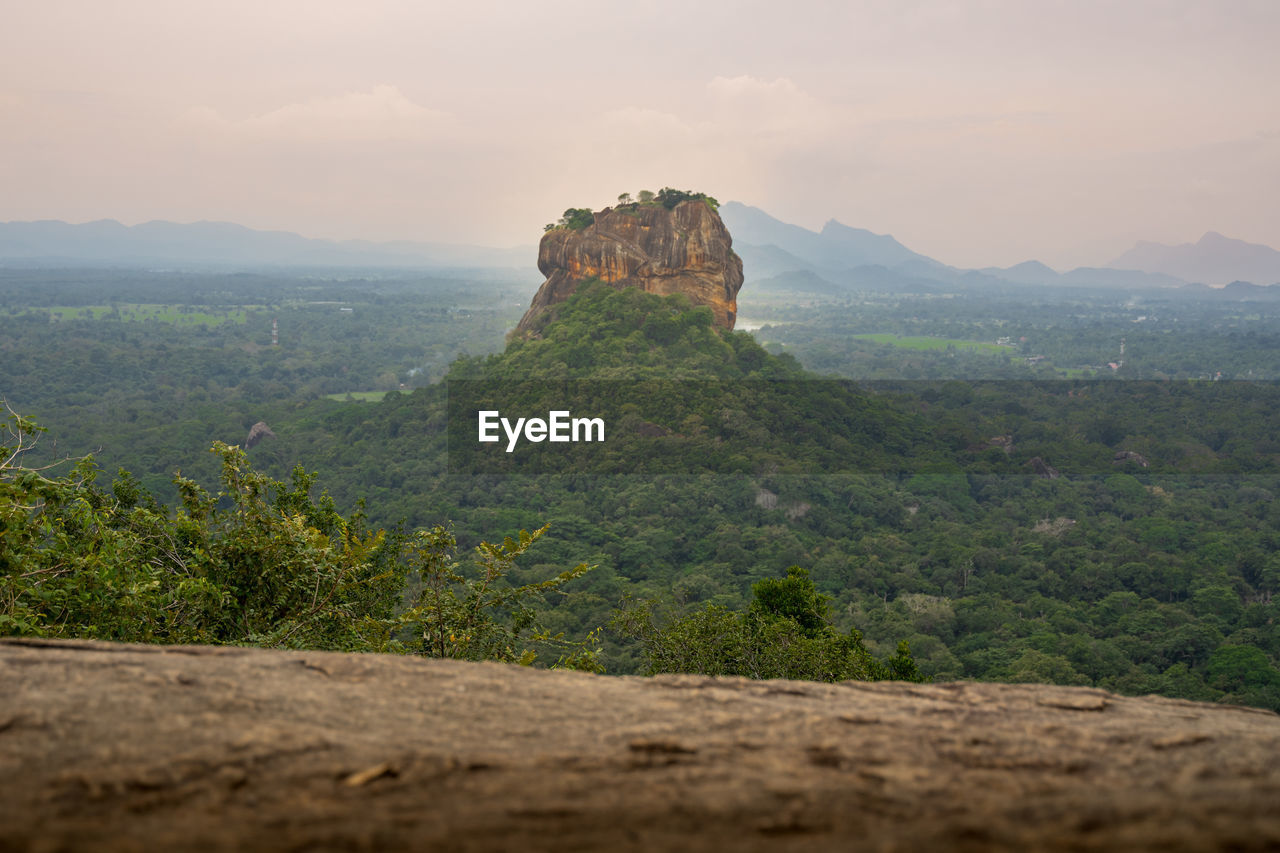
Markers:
<point>975,131</point>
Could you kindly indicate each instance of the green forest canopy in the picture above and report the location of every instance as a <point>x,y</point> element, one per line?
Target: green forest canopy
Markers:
<point>1138,579</point>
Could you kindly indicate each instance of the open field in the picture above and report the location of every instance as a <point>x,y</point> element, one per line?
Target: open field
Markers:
<point>926,343</point>
<point>178,315</point>
<point>359,396</point>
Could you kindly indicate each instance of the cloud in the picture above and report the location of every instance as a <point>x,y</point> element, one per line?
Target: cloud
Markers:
<point>766,108</point>
<point>650,123</point>
<point>741,109</point>
<point>746,86</point>
<point>382,113</point>
<point>644,118</point>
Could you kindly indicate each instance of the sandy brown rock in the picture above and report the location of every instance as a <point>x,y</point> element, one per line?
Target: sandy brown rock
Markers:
<point>106,747</point>
<point>259,432</point>
<point>684,250</point>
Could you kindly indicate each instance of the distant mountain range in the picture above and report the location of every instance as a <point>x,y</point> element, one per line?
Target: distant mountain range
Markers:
<point>226,244</point>
<point>775,254</point>
<point>836,247</point>
<point>780,255</point>
<point>1213,260</point>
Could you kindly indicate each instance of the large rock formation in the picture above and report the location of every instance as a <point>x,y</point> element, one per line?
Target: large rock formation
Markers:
<point>110,747</point>
<point>683,250</point>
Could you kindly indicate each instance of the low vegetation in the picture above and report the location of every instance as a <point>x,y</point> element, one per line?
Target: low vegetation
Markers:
<point>262,562</point>
<point>578,218</point>
<point>786,632</point>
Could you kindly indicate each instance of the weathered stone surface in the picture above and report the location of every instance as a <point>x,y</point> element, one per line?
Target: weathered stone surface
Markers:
<point>684,250</point>
<point>108,747</point>
<point>257,433</point>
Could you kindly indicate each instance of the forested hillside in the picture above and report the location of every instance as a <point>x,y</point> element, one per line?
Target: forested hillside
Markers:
<point>1119,534</point>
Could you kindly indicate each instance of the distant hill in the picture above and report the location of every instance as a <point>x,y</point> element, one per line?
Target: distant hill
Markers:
<point>837,247</point>
<point>761,262</point>
<point>797,281</point>
<point>856,259</point>
<point>1215,259</point>
<point>1249,292</point>
<point>1029,272</point>
<point>1119,278</point>
<point>218,244</point>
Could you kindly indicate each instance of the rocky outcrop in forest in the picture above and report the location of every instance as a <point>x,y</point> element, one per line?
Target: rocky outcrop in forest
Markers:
<point>113,747</point>
<point>685,249</point>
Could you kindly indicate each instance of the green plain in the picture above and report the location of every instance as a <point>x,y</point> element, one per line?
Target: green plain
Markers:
<point>177,315</point>
<point>925,343</point>
<point>360,396</point>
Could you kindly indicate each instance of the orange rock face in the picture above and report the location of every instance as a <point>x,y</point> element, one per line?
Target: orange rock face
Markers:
<point>684,250</point>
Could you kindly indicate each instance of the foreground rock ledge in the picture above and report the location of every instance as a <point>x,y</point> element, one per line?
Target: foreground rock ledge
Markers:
<point>115,747</point>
